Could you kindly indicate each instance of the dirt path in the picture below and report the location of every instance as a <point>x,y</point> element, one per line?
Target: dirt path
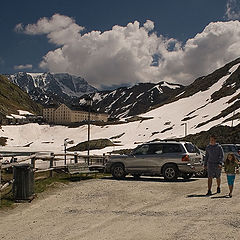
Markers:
<point>108,209</point>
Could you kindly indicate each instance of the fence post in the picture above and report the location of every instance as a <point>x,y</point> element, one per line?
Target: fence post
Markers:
<point>75,157</point>
<point>51,164</point>
<point>103,158</point>
<point>33,161</point>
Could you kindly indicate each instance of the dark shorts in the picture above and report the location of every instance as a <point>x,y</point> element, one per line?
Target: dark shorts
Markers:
<point>214,171</point>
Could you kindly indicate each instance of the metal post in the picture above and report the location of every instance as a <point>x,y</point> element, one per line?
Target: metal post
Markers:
<point>232,117</point>
<point>88,133</point>
<point>65,151</point>
<point>51,165</point>
<point>185,129</point>
<point>65,155</point>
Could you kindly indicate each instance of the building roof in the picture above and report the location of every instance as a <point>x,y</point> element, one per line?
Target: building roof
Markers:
<point>75,108</point>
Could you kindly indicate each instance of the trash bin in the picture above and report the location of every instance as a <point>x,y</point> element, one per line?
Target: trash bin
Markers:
<point>23,184</point>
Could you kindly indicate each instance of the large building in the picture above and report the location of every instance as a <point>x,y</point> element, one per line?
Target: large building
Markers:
<point>65,115</point>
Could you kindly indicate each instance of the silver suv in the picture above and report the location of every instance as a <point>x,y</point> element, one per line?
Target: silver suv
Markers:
<point>170,159</point>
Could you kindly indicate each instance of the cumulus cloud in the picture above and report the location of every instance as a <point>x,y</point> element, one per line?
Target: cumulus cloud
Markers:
<point>149,25</point>
<point>21,67</point>
<point>233,10</point>
<point>135,53</point>
<point>18,27</point>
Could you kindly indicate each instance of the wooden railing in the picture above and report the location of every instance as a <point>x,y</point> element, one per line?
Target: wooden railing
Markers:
<point>53,160</point>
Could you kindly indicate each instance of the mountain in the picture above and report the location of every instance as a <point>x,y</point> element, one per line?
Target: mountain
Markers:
<point>142,98</point>
<point>12,98</point>
<point>124,102</point>
<point>48,88</point>
<point>206,105</point>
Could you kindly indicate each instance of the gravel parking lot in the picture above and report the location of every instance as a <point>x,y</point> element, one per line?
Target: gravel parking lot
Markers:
<point>149,208</point>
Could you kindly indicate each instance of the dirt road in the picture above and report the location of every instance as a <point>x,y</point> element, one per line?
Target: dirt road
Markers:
<point>107,209</point>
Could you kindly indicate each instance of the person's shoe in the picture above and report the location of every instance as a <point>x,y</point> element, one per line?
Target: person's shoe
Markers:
<point>230,195</point>
<point>218,190</point>
<point>209,193</point>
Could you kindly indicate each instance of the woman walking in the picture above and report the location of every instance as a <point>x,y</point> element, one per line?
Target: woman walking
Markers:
<point>231,168</point>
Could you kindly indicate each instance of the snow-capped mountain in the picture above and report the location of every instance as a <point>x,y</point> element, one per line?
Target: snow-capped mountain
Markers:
<point>143,97</point>
<point>213,100</point>
<point>131,101</point>
<point>49,87</point>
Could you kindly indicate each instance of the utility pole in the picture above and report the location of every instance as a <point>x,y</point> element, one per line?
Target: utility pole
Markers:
<point>89,104</point>
<point>88,133</point>
<point>232,117</point>
<point>185,127</point>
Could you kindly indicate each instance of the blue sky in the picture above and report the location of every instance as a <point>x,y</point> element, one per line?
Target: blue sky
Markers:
<point>180,20</point>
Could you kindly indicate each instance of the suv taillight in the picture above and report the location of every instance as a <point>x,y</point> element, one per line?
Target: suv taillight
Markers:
<point>185,158</point>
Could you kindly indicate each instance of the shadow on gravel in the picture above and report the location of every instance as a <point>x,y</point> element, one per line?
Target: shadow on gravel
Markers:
<point>225,196</point>
<point>150,179</point>
<point>200,195</point>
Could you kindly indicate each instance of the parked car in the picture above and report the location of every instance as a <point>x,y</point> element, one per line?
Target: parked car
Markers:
<point>238,148</point>
<point>230,148</point>
<point>170,159</point>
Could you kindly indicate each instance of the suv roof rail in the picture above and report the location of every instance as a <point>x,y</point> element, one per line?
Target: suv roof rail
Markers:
<point>163,140</point>
<point>168,140</point>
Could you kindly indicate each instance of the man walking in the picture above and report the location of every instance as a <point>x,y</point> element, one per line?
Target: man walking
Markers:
<point>213,163</point>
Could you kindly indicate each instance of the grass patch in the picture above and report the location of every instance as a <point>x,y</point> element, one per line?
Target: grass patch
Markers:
<point>94,144</point>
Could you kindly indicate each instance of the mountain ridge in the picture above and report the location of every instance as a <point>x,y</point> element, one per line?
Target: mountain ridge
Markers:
<point>47,88</point>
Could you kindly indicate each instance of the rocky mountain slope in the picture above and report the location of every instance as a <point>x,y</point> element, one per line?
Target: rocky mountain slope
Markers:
<point>12,98</point>
<point>124,102</point>
<point>48,88</point>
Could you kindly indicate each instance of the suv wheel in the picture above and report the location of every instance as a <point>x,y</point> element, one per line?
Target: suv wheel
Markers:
<point>187,175</point>
<point>118,171</point>
<point>170,172</point>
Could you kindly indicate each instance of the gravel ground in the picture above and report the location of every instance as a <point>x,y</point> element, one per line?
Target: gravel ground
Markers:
<point>149,208</point>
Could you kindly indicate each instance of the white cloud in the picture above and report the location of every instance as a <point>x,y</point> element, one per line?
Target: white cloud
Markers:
<point>125,54</point>
<point>59,29</point>
<point>149,25</point>
<point>233,10</point>
<point>21,67</point>
<point>19,27</point>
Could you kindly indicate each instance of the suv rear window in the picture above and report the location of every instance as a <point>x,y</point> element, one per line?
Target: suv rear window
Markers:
<point>191,148</point>
<point>172,148</point>
<point>229,148</point>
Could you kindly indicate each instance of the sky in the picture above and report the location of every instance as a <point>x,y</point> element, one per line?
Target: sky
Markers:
<point>117,43</point>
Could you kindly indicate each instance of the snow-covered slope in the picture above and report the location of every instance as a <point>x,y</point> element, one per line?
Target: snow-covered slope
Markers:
<point>210,101</point>
<point>46,87</point>
<point>124,102</point>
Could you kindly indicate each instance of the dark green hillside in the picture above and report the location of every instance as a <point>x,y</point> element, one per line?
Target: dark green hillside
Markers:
<point>12,98</point>
<point>224,134</point>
